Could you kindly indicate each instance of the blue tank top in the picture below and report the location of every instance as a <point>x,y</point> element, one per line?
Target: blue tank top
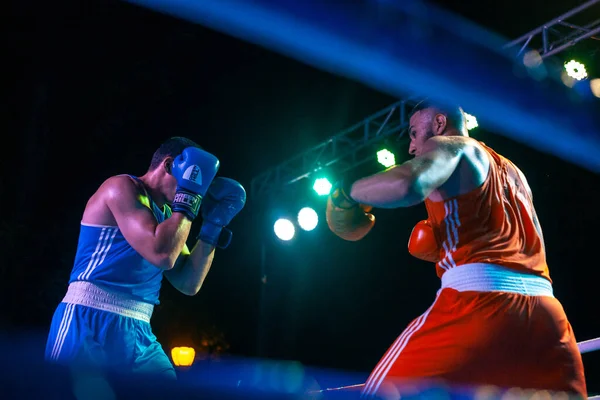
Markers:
<point>106,259</point>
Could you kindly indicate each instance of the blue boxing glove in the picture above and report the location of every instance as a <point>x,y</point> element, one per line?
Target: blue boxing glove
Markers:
<point>224,200</point>
<point>194,169</point>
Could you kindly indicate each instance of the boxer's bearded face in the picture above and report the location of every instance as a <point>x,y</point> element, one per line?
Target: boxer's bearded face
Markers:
<point>419,131</point>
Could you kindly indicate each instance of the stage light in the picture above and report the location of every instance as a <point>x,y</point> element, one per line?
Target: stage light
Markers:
<point>284,229</point>
<point>567,80</point>
<point>386,158</point>
<point>183,356</point>
<point>322,186</point>
<point>471,121</point>
<point>532,59</point>
<point>576,70</point>
<point>535,65</point>
<point>308,219</point>
<point>595,86</point>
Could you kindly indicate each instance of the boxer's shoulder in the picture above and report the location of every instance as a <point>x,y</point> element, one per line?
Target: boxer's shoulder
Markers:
<point>466,146</point>
<point>471,172</point>
<point>119,185</point>
<point>476,154</point>
<point>472,156</point>
<point>121,188</point>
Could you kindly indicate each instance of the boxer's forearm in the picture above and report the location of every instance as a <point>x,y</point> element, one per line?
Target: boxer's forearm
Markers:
<point>412,182</point>
<point>395,187</point>
<point>191,269</point>
<point>170,237</point>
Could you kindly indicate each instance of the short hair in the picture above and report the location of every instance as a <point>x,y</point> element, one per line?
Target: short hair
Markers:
<point>453,113</point>
<point>171,147</point>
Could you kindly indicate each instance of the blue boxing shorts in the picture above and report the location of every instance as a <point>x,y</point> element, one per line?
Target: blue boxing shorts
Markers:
<point>93,328</point>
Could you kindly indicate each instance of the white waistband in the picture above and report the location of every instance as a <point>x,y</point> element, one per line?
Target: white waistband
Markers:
<point>89,295</point>
<point>481,277</point>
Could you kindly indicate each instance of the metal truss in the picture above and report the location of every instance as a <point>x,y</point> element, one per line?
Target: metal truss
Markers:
<point>559,34</point>
<point>346,149</point>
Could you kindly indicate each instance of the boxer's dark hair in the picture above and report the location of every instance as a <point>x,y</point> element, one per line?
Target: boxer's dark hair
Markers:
<point>454,113</point>
<point>171,147</point>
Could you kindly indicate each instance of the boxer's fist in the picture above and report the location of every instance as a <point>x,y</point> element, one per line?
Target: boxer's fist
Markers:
<point>223,201</point>
<point>194,169</point>
<point>350,224</point>
<point>340,195</point>
<point>422,243</point>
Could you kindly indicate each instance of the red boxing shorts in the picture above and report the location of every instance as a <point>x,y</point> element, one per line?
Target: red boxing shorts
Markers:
<point>489,326</point>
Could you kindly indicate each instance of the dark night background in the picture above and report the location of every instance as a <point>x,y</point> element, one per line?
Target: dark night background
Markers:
<point>92,88</point>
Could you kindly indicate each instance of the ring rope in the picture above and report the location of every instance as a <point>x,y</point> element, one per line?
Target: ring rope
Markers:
<point>588,346</point>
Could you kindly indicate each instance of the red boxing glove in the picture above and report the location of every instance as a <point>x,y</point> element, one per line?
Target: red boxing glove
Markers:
<point>350,224</point>
<point>422,243</point>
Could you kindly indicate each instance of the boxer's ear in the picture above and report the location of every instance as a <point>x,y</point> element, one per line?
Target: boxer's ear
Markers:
<point>168,165</point>
<point>440,124</point>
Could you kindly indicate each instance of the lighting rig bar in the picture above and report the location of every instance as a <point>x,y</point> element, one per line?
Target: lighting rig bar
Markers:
<point>348,149</point>
<point>559,34</point>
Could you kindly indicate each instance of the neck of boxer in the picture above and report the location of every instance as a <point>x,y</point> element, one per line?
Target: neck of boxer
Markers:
<point>454,132</point>
<point>152,183</point>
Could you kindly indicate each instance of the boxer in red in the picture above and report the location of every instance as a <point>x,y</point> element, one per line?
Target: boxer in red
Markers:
<point>495,320</point>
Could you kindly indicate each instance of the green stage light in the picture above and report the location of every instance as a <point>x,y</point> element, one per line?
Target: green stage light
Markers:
<point>322,186</point>
<point>386,158</point>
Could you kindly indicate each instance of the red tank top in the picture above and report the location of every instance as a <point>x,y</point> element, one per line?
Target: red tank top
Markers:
<point>491,224</point>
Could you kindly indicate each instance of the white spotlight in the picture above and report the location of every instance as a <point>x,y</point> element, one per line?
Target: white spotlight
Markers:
<point>308,219</point>
<point>471,121</point>
<point>576,70</point>
<point>284,229</point>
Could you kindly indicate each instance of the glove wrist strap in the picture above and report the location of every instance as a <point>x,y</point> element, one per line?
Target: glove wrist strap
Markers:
<point>215,235</point>
<point>187,203</point>
<point>340,196</point>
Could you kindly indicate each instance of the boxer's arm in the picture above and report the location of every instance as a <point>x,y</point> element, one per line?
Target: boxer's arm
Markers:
<point>412,182</point>
<point>534,217</point>
<point>191,268</point>
<point>160,244</point>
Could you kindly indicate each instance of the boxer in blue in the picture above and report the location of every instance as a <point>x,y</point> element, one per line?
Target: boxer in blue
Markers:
<point>133,232</point>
